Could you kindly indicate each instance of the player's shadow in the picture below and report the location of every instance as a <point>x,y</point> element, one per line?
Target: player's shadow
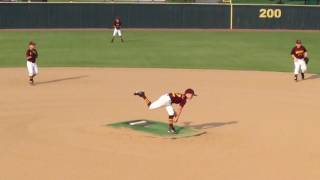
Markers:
<point>61,79</point>
<point>314,76</point>
<point>209,125</point>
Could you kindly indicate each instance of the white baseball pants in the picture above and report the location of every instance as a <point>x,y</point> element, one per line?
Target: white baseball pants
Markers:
<point>116,31</point>
<point>163,101</point>
<point>300,66</point>
<point>32,68</point>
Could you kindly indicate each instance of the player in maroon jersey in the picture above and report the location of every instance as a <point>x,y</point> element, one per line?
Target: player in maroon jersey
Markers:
<point>166,101</point>
<point>31,56</point>
<point>299,55</point>
<point>117,29</point>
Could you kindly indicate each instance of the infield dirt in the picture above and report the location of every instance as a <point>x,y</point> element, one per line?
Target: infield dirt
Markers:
<point>260,125</point>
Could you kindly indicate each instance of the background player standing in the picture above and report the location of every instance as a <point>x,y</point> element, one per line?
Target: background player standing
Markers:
<point>117,26</point>
<point>300,58</point>
<point>166,101</point>
<point>31,56</point>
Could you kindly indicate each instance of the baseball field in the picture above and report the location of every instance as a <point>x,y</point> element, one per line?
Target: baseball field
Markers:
<point>259,123</point>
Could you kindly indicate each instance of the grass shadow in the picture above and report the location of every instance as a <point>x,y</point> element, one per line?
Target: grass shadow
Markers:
<point>209,125</point>
<point>61,79</point>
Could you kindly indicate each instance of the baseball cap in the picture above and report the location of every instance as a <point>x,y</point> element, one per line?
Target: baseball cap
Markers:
<point>190,91</point>
<point>32,43</point>
<point>298,41</point>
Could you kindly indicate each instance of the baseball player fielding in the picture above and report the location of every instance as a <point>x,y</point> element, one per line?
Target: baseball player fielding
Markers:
<point>300,58</point>
<point>117,29</point>
<point>31,56</point>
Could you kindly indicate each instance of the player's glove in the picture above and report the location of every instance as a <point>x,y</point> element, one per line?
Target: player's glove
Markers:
<point>306,60</point>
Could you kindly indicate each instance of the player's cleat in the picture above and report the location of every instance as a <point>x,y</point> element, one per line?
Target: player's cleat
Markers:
<point>31,81</point>
<point>296,78</point>
<point>302,75</point>
<point>172,131</point>
<point>140,94</point>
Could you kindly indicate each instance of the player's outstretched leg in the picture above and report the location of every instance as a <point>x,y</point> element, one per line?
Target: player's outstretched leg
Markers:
<point>143,95</point>
<point>164,100</point>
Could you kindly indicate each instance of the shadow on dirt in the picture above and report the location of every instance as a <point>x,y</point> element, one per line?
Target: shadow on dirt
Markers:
<point>209,125</point>
<point>314,76</point>
<point>62,79</point>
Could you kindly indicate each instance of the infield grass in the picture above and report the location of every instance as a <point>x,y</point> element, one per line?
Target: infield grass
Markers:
<point>158,128</point>
<point>263,51</point>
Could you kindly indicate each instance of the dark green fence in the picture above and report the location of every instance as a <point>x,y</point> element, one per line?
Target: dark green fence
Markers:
<point>72,15</point>
<point>276,17</point>
<point>101,15</point>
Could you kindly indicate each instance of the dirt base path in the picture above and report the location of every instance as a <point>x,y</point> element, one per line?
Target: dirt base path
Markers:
<point>261,126</point>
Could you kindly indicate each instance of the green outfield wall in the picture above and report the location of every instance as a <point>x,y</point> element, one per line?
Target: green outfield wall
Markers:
<point>100,15</point>
<point>276,17</point>
<point>90,15</point>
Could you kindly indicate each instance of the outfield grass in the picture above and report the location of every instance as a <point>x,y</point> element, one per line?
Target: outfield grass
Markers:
<point>264,51</point>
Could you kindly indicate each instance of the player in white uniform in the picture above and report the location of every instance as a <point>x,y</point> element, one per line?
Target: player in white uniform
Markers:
<point>166,101</point>
<point>117,29</point>
<point>300,58</point>
<point>31,56</point>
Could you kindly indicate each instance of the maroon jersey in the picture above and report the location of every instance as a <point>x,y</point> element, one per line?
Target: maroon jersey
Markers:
<point>178,98</point>
<point>32,55</point>
<point>298,52</point>
<point>117,23</point>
